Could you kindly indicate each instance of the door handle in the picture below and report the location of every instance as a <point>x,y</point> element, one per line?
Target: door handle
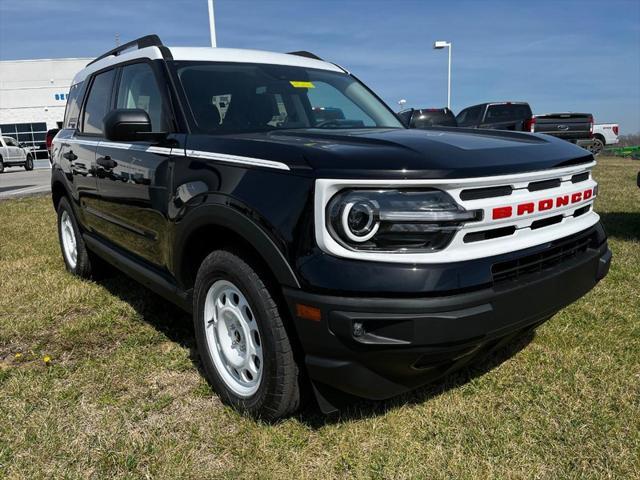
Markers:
<point>106,162</point>
<point>70,156</point>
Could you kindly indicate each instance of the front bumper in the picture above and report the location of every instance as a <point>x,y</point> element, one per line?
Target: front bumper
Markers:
<point>379,347</point>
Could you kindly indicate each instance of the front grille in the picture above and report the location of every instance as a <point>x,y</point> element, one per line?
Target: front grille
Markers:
<point>559,252</point>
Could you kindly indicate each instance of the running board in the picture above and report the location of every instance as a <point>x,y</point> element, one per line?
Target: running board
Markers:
<point>147,277</point>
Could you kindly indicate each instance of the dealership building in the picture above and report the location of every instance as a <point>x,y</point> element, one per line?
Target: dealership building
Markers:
<point>33,96</point>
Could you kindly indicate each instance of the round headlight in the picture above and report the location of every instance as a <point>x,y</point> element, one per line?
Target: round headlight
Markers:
<point>360,220</point>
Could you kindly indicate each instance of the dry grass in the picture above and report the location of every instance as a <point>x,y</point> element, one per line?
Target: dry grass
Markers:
<point>122,396</point>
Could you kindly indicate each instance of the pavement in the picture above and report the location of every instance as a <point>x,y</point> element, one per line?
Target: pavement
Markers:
<point>16,182</point>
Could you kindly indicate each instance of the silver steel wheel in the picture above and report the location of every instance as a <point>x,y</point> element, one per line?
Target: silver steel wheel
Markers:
<point>69,246</point>
<point>233,338</point>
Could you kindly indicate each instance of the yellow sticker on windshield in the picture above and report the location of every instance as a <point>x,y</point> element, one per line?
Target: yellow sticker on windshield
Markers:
<point>299,84</point>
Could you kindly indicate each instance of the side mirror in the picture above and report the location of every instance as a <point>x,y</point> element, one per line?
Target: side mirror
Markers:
<point>405,117</point>
<point>22,145</point>
<point>124,124</point>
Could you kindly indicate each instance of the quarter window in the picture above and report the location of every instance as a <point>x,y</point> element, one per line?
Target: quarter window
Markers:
<point>97,104</point>
<point>73,106</point>
<point>139,89</point>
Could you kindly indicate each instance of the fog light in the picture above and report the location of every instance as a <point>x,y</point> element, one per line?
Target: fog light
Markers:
<point>358,329</point>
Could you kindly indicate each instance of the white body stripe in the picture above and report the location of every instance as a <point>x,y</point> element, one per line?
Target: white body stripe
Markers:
<point>457,250</point>
<point>221,157</point>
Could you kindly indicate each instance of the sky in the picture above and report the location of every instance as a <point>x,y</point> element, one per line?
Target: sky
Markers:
<point>561,55</point>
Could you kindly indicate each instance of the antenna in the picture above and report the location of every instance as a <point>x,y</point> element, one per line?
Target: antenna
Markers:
<point>117,39</point>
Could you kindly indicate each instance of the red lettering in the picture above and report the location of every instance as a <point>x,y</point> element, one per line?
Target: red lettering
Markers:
<point>526,208</point>
<point>562,201</point>
<point>587,194</point>
<point>576,197</point>
<point>545,204</point>
<point>502,212</point>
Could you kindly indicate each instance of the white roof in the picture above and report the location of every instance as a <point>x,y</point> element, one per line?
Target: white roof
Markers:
<point>209,54</point>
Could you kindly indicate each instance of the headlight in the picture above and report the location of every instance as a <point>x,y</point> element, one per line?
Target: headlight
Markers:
<point>395,220</point>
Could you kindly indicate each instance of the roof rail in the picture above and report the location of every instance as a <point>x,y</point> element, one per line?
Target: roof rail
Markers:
<point>138,43</point>
<point>304,53</point>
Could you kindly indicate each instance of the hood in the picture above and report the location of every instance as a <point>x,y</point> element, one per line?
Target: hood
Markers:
<point>403,153</point>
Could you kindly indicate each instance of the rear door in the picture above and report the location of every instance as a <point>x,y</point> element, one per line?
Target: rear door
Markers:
<point>78,151</point>
<point>134,177</point>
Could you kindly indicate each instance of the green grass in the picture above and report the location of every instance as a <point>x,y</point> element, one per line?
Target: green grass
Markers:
<point>122,395</point>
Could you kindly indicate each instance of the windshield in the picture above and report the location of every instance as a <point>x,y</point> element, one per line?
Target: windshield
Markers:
<point>241,97</point>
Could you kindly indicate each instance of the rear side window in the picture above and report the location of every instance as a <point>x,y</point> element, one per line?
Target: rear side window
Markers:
<point>139,89</point>
<point>507,113</point>
<point>73,106</point>
<point>97,105</point>
<point>469,116</point>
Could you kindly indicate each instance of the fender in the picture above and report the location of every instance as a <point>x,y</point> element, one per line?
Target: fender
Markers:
<point>218,215</point>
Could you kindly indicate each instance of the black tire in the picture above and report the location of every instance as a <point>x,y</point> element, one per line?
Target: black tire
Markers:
<point>597,146</point>
<point>83,267</point>
<point>278,393</point>
<point>28,163</point>
<point>1,165</point>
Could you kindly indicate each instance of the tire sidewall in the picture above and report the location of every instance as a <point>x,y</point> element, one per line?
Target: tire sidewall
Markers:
<point>28,163</point>
<point>1,166</point>
<point>81,268</point>
<point>233,269</point>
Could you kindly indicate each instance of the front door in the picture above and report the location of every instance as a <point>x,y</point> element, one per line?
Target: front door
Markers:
<point>134,177</point>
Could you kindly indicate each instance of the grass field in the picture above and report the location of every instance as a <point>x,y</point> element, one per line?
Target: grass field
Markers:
<point>120,395</point>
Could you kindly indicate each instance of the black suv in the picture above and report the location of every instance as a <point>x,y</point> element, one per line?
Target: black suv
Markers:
<point>340,248</point>
<point>515,116</point>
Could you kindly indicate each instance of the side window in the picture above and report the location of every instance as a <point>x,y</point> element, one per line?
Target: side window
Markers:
<point>139,89</point>
<point>73,106</point>
<point>97,105</point>
<point>469,116</point>
<point>10,142</point>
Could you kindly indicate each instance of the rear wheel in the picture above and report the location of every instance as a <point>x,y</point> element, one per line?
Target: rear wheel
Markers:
<point>597,146</point>
<point>28,163</point>
<point>74,251</point>
<point>243,344</point>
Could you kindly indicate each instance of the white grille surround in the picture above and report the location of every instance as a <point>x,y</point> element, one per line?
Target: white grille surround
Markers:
<point>458,250</point>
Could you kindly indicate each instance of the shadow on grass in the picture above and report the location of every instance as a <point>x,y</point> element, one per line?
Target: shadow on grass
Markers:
<point>622,225</point>
<point>178,327</point>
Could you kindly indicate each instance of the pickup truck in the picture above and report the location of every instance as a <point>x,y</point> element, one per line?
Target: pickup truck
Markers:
<point>574,127</point>
<point>604,134</point>
<point>14,154</point>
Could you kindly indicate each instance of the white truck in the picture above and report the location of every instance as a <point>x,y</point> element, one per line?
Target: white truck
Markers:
<point>604,134</point>
<point>14,154</point>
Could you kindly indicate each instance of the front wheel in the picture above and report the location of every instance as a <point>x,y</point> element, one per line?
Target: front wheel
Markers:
<point>28,163</point>
<point>1,165</point>
<point>244,347</point>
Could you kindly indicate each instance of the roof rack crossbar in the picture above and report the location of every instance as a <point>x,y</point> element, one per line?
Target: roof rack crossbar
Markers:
<point>304,53</point>
<point>138,43</point>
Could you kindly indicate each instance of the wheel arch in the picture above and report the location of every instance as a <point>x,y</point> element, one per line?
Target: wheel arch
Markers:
<point>212,227</point>
<point>600,137</point>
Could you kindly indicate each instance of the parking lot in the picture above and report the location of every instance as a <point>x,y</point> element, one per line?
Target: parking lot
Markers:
<point>16,182</point>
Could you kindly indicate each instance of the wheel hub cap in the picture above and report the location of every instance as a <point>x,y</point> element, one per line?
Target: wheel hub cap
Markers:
<point>68,235</point>
<point>233,338</point>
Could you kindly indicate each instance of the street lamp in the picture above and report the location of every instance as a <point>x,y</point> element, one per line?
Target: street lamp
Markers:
<point>212,24</point>
<point>440,44</point>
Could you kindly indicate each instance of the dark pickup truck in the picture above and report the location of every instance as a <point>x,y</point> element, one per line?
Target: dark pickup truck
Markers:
<point>574,127</point>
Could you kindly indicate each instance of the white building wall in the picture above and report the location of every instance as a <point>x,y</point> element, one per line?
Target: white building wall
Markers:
<point>35,90</point>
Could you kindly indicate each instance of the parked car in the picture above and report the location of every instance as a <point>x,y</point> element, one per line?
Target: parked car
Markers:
<point>497,115</point>
<point>49,140</point>
<point>573,127</point>
<point>604,134</point>
<point>355,253</point>
<point>14,154</point>
<point>428,117</point>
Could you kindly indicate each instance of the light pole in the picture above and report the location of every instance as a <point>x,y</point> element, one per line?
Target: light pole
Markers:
<point>440,44</point>
<point>212,24</point>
